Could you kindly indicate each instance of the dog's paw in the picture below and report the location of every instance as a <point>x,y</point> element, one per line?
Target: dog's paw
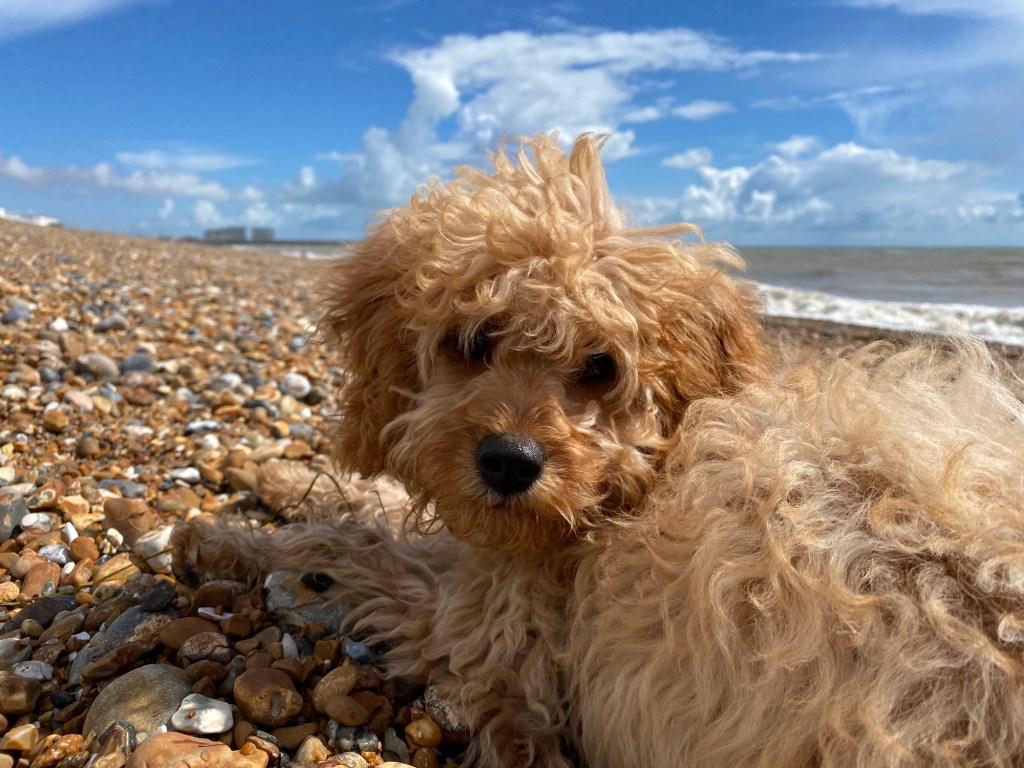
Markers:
<point>203,549</point>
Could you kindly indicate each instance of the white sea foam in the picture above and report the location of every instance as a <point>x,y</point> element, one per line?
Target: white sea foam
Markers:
<point>33,218</point>
<point>1001,324</point>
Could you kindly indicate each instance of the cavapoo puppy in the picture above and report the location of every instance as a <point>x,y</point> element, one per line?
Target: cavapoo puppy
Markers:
<point>635,538</point>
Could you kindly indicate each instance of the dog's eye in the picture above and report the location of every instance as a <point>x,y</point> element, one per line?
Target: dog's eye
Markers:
<point>318,582</point>
<point>597,369</point>
<point>478,347</point>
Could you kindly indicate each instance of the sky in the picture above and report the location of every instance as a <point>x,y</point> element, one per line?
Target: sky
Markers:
<point>778,122</point>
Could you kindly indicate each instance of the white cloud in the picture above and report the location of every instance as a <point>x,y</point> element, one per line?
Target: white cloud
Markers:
<point>206,214</point>
<point>21,17</point>
<point>998,9</point>
<point>703,109</point>
<point>797,145</point>
<point>166,209</point>
<point>182,160</point>
<point>847,190</point>
<point>570,81</point>
<point>260,215</point>
<point>694,157</point>
<point>140,181</point>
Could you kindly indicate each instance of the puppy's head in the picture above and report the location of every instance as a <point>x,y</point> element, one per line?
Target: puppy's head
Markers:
<point>518,358</point>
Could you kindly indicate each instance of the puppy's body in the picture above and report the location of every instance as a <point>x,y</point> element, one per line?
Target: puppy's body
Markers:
<point>656,549</point>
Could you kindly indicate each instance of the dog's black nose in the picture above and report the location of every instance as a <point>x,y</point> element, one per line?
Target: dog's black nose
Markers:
<point>509,463</point>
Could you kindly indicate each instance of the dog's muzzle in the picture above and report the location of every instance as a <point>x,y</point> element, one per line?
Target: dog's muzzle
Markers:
<point>510,463</point>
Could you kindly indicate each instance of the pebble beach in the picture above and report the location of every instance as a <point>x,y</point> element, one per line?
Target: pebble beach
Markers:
<point>142,382</point>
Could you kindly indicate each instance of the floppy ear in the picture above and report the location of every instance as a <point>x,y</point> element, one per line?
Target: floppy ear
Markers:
<point>363,320</point>
<point>713,342</point>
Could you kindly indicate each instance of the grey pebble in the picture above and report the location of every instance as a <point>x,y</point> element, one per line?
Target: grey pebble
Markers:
<point>112,322</point>
<point>159,597</point>
<point>98,366</point>
<point>397,748</point>
<point>139,361</point>
<point>33,670</point>
<point>144,698</point>
<point>360,652</point>
<point>202,425</point>
<point>128,488</point>
<point>15,314</point>
<point>11,514</point>
<point>56,553</point>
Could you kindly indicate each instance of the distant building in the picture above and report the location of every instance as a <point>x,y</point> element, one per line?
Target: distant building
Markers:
<point>263,235</point>
<point>225,235</point>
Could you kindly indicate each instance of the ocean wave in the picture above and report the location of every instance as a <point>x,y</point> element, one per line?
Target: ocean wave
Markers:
<point>1000,324</point>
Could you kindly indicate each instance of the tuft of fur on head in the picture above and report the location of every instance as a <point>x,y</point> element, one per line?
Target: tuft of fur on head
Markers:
<point>481,305</point>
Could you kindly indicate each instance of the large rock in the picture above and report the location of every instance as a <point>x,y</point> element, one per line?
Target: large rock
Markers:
<point>145,698</point>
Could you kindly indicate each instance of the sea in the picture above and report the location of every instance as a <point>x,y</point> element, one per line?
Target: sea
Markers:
<point>975,291</point>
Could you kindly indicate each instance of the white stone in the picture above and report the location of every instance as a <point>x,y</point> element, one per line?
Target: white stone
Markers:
<point>206,612</point>
<point>70,532</point>
<point>289,648</point>
<point>188,475</point>
<point>153,547</point>
<point>114,539</point>
<point>14,649</point>
<point>39,521</point>
<point>209,442</point>
<point>56,553</point>
<point>34,670</point>
<point>295,384</point>
<point>203,715</point>
<point>59,324</point>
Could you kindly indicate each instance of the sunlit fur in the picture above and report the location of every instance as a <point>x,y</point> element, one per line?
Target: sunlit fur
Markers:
<point>727,561</point>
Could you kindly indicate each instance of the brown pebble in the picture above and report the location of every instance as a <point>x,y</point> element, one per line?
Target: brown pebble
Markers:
<point>111,662</point>
<point>346,711</point>
<point>204,687</point>
<point>18,695</point>
<point>258,660</point>
<point>248,645</point>
<point>217,593</point>
<point>82,573</point>
<point>206,668</point>
<point>115,571</point>
<point>212,646</point>
<point>55,420</point>
<point>58,750</point>
<point>26,562</point>
<point>178,500</point>
<point>337,682</point>
<point>73,505</point>
<point>64,627</point>
<point>293,668</point>
<point>131,517</point>
<point>174,634</point>
<point>88,447</point>
<point>423,732</point>
<point>9,591</point>
<point>267,696</point>
<point>311,752</point>
<point>41,577</point>
<point>84,547</point>
<point>424,757</point>
<point>237,625</point>
<point>46,496</point>
<point>180,750</point>
<point>242,731</point>
<point>291,736</point>
<point>326,650</point>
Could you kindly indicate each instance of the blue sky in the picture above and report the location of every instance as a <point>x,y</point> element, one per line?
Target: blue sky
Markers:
<point>772,122</point>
